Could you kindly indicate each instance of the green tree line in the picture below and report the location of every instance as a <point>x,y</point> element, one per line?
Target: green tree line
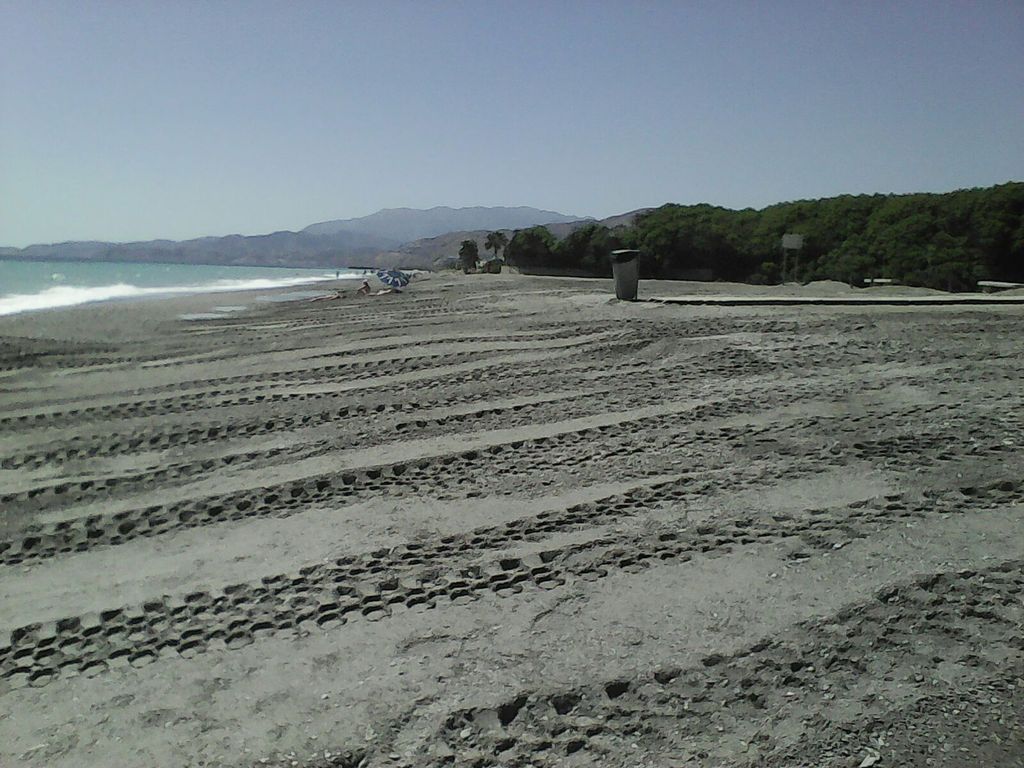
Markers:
<point>947,241</point>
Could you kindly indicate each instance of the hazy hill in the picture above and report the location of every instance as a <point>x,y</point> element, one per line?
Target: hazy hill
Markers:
<point>403,225</point>
<point>428,251</point>
<point>375,240</point>
<point>279,249</point>
<point>624,219</point>
<point>619,220</point>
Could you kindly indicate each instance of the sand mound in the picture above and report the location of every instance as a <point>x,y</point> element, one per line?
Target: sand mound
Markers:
<point>827,287</point>
<point>903,290</point>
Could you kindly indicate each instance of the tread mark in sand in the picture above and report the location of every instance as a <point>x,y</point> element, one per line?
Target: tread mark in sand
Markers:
<point>583,446</point>
<point>385,583</point>
<point>249,395</point>
<point>812,668</point>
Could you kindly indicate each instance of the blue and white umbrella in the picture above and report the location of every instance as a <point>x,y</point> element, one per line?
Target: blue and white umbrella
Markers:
<point>393,278</point>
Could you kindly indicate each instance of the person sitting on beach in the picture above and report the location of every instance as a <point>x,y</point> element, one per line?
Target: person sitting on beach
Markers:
<point>364,288</point>
<point>329,296</point>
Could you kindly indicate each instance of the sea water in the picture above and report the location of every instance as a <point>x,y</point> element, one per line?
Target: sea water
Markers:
<point>26,286</point>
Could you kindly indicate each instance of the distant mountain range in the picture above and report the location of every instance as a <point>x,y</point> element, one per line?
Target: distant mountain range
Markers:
<point>403,225</point>
<point>433,250</point>
<point>385,238</point>
<point>280,249</point>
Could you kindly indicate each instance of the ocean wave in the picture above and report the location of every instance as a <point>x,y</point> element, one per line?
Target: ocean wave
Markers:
<point>70,295</point>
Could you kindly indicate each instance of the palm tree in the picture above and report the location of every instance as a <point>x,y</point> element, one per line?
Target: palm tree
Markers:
<point>495,241</point>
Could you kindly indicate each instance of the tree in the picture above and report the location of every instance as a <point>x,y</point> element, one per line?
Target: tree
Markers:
<point>469,252</point>
<point>849,263</point>
<point>947,240</point>
<point>951,264</point>
<point>531,248</point>
<point>495,241</point>
<point>587,249</point>
<point>768,274</point>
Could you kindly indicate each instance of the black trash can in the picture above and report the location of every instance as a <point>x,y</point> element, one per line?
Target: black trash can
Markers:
<point>626,271</point>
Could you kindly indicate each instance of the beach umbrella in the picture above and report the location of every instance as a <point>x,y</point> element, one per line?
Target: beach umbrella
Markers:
<point>393,278</point>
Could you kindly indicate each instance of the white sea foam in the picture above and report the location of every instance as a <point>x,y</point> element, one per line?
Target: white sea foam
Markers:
<point>69,295</point>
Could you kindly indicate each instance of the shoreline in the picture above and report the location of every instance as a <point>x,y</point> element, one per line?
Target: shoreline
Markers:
<point>35,291</point>
<point>167,307</point>
<point>95,320</point>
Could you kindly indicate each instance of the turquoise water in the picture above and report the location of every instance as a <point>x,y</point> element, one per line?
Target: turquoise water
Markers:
<point>27,286</point>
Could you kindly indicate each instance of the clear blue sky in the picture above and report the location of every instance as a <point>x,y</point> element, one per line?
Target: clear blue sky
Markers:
<point>135,120</point>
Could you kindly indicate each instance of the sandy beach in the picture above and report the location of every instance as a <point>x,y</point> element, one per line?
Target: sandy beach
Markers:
<point>507,521</point>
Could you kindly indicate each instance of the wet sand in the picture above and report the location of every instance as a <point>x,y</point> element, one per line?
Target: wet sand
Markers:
<point>506,521</point>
